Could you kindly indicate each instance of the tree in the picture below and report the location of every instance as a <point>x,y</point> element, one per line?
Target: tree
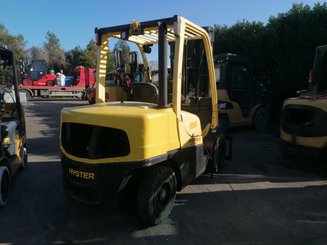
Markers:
<point>293,37</point>
<point>89,56</point>
<point>284,48</point>
<point>37,53</point>
<point>56,53</point>
<point>73,58</point>
<point>245,38</point>
<point>17,43</point>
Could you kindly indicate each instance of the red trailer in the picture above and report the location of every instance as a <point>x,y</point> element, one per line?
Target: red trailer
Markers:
<point>82,79</point>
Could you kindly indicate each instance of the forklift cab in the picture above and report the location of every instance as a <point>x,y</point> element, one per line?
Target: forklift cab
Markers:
<point>241,94</point>
<point>154,147</point>
<point>304,118</point>
<point>13,153</point>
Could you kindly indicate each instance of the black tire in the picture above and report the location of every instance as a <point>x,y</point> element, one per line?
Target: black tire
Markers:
<point>218,154</point>
<point>4,185</point>
<point>27,82</point>
<point>91,100</point>
<point>322,156</point>
<point>156,194</point>
<point>50,83</point>
<point>223,123</point>
<point>24,159</point>
<point>260,118</point>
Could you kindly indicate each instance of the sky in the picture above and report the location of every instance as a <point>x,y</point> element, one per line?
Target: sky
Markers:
<point>74,21</point>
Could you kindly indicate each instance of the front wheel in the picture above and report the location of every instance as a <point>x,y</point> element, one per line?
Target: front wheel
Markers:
<point>156,194</point>
<point>4,185</point>
<point>218,154</point>
<point>90,95</point>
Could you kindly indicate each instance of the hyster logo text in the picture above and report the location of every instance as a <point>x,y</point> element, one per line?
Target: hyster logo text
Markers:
<point>80,174</point>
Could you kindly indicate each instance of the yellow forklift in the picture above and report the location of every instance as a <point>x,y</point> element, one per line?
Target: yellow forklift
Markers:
<point>241,93</point>
<point>304,118</point>
<point>156,140</point>
<point>13,154</point>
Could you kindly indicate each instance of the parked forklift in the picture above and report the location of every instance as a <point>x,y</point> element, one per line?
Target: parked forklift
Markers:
<point>241,93</point>
<point>37,74</point>
<point>13,153</point>
<point>304,118</point>
<point>154,148</point>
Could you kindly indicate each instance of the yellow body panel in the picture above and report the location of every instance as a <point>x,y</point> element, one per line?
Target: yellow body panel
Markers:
<point>318,103</point>
<point>153,131</point>
<point>235,115</point>
<point>313,142</point>
<point>189,130</point>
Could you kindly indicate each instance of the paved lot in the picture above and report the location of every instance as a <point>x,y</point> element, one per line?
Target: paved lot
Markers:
<point>260,198</point>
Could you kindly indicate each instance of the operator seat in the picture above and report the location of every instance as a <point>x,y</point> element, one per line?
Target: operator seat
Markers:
<point>145,92</point>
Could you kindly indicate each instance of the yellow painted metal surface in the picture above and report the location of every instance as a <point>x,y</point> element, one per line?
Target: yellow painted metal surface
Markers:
<point>313,142</point>
<point>151,131</point>
<point>318,103</point>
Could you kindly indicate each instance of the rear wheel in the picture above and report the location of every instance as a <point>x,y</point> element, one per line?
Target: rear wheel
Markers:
<point>90,95</point>
<point>156,194</point>
<point>50,83</point>
<point>260,118</point>
<point>4,185</point>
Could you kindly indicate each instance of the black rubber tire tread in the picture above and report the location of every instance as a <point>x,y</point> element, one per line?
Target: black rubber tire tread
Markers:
<point>218,154</point>
<point>50,83</point>
<point>151,184</point>
<point>4,185</point>
<point>260,118</point>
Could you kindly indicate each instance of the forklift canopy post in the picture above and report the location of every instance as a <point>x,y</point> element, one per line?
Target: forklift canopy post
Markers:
<point>146,33</point>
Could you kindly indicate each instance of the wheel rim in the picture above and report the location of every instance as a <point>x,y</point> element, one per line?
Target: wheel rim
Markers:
<point>28,95</point>
<point>156,194</point>
<point>261,119</point>
<point>163,196</point>
<point>27,82</point>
